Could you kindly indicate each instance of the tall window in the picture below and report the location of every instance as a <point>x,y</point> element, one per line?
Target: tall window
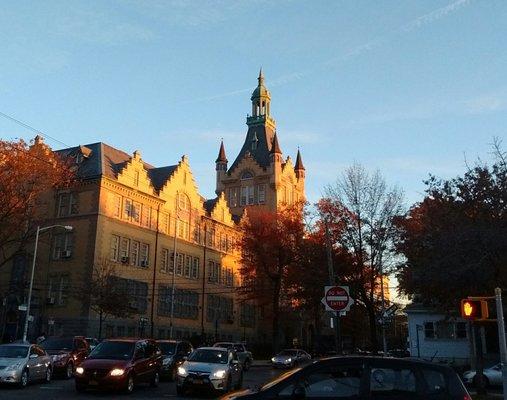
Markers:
<point>195,268</point>
<point>262,193</point>
<point>145,255</point>
<point>127,209</point>
<point>247,189</point>
<point>134,253</point>
<point>233,197</point>
<point>179,264</point>
<point>115,248</point>
<point>63,244</point>
<point>188,266</point>
<point>117,206</point>
<point>67,204</point>
<point>166,259</point>
<point>146,218</point>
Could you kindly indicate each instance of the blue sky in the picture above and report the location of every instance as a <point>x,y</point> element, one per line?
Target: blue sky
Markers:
<point>408,87</point>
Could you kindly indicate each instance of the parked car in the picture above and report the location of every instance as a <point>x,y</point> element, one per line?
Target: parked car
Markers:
<point>492,376</point>
<point>211,368</point>
<point>66,353</point>
<point>362,378</point>
<point>120,364</point>
<point>174,352</point>
<point>21,363</point>
<point>245,357</point>
<point>93,342</point>
<point>289,358</point>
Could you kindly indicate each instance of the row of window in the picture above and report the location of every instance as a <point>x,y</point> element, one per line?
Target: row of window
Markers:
<point>445,330</point>
<point>186,302</point>
<point>68,204</point>
<point>129,251</point>
<point>218,274</point>
<point>245,195</point>
<point>57,290</point>
<point>63,246</point>
<point>220,309</point>
<point>187,266</point>
<point>135,291</point>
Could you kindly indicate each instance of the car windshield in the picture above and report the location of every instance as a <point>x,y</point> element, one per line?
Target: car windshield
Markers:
<point>167,348</point>
<point>13,351</point>
<point>58,344</point>
<point>272,383</point>
<point>113,351</point>
<point>287,353</point>
<point>209,356</point>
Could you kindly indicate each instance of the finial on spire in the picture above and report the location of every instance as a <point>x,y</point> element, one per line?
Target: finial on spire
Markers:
<point>221,154</point>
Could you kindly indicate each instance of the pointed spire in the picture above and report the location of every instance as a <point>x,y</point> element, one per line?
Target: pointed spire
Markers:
<point>275,147</point>
<point>261,77</point>
<point>299,162</point>
<point>221,154</point>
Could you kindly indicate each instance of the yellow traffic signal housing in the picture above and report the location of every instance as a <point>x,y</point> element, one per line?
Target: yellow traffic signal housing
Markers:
<point>474,309</point>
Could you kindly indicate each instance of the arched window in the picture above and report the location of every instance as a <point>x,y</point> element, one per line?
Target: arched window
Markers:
<point>246,175</point>
<point>247,189</point>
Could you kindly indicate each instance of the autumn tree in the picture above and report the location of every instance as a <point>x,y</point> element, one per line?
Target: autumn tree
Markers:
<point>27,171</point>
<point>270,242</point>
<point>360,210</point>
<point>455,239</point>
<point>106,295</point>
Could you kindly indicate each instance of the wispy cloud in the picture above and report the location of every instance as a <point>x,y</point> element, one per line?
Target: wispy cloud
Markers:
<point>354,52</point>
<point>486,103</point>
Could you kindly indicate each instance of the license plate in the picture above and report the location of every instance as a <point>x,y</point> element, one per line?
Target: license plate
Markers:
<point>93,383</point>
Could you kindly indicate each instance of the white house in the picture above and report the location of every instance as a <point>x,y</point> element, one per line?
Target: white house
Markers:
<point>434,335</point>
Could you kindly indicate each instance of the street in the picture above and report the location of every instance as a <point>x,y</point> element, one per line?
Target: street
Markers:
<point>60,389</point>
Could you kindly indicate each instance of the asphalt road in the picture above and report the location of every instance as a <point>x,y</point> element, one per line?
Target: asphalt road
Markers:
<point>60,389</point>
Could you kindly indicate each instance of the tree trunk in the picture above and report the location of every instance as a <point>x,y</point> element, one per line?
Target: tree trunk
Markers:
<point>276,312</point>
<point>373,326</point>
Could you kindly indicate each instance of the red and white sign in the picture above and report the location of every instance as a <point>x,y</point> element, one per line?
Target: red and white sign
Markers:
<point>337,298</point>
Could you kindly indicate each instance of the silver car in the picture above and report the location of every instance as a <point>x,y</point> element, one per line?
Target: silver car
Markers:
<point>289,358</point>
<point>211,369</point>
<point>21,363</point>
<point>492,375</point>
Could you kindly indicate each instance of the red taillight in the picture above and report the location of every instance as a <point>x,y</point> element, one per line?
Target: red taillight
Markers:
<point>467,397</point>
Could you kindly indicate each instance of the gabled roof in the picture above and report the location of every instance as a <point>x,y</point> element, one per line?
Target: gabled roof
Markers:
<point>209,205</point>
<point>105,160</point>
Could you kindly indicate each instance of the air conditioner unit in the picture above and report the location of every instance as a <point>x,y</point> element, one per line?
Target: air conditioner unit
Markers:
<point>144,263</point>
<point>50,300</point>
<point>65,253</point>
<point>124,259</point>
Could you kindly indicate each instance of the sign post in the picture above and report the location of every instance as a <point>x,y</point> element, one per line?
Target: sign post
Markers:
<point>501,339</point>
<point>337,299</point>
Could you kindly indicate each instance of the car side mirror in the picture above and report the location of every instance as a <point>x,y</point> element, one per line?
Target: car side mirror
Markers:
<point>34,355</point>
<point>299,393</point>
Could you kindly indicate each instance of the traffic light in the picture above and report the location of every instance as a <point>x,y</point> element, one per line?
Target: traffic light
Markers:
<point>474,309</point>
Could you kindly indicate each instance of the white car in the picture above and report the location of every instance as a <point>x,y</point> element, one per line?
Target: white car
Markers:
<point>493,376</point>
<point>289,358</point>
<point>211,369</point>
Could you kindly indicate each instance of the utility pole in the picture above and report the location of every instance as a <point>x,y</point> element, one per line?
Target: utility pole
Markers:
<point>382,315</point>
<point>175,256</point>
<point>501,339</point>
<point>332,281</point>
<point>154,277</point>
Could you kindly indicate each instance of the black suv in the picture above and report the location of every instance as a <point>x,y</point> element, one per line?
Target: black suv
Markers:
<point>66,353</point>
<point>371,378</point>
<point>174,352</point>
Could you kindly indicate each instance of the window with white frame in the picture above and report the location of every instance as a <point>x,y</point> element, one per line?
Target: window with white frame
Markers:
<point>165,260</point>
<point>214,271</point>
<point>117,200</point>
<point>127,209</point>
<point>179,264</point>
<point>67,204</point>
<point>186,302</point>
<point>58,289</point>
<point>136,212</point>
<point>63,245</point>
<point>146,216</point>
<point>195,268</point>
<point>145,255</point>
<point>124,249</point>
<point>115,248</point>
<point>188,266</point>
<point>262,193</point>
<point>134,252</point>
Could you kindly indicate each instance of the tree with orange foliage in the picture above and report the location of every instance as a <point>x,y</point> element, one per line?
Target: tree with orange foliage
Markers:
<point>26,172</point>
<point>270,244</point>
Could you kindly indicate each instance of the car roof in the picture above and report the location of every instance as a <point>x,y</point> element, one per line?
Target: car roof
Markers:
<point>127,340</point>
<point>170,341</point>
<point>389,360</point>
<point>213,348</point>
<point>16,344</point>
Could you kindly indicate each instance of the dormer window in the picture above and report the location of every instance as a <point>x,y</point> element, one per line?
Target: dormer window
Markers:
<point>246,175</point>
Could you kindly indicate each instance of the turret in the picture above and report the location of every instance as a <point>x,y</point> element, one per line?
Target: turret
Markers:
<point>221,168</point>
<point>299,168</point>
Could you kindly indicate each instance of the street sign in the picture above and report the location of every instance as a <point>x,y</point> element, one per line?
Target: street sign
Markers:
<point>337,298</point>
<point>22,308</point>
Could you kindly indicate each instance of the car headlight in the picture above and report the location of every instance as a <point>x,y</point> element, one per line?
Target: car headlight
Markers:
<point>273,359</point>
<point>117,372</point>
<point>289,360</point>
<point>14,367</point>
<point>80,370</point>
<point>167,361</point>
<point>182,371</point>
<point>219,374</point>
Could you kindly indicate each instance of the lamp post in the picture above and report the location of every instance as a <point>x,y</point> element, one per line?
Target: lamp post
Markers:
<point>39,230</point>
<point>171,323</point>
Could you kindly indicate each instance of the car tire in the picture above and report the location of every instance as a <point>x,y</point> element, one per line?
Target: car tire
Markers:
<point>69,370</point>
<point>47,378</point>
<point>476,381</point>
<point>155,379</point>
<point>23,380</point>
<point>228,386</point>
<point>180,391</point>
<point>247,365</point>
<point>130,385</point>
